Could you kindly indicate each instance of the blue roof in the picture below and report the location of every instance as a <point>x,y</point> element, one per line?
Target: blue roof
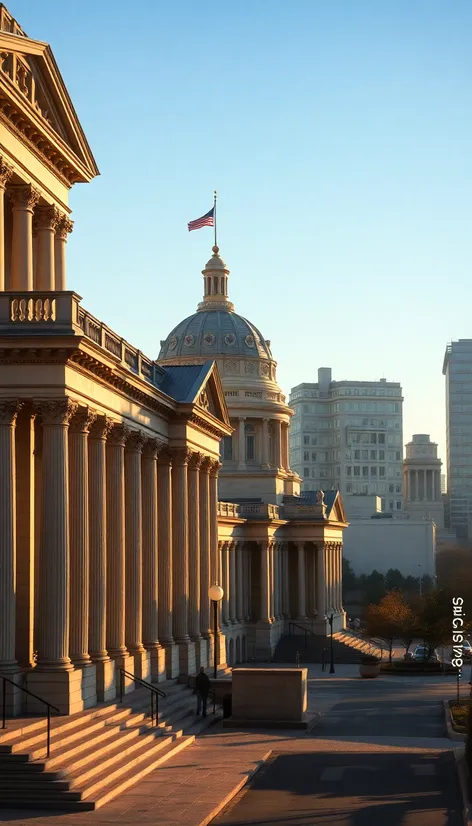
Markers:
<point>182,382</point>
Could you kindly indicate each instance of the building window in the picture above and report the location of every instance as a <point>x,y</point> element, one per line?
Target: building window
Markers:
<point>357,470</point>
<point>357,454</point>
<point>313,457</point>
<point>390,488</point>
<point>349,487</point>
<point>306,440</point>
<point>250,442</point>
<point>391,505</point>
<point>313,440</point>
<point>373,455</point>
<point>373,438</point>
<point>382,455</point>
<point>382,471</point>
<point>306,472</point>
<point>399,506</point>
<point>381,439</point>
<point>226,449</point>
<point>398,488</point>
<point>348,470</point>
<point>365,454</point>
<point>373,471</point>
<point>306,456</point>
<point>365,470</point>
<point>397,456</point>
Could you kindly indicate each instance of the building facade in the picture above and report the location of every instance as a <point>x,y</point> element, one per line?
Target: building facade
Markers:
<point>457,368</point>
<point>347,436</point>
<point>111,531</point>
<point>405,544</point>
<point>422,480</point>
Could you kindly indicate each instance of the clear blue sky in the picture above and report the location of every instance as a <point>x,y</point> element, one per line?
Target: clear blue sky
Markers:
<point>338,134</point>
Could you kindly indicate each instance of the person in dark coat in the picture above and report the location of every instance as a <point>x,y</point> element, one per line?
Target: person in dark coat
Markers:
<point>202,685</point>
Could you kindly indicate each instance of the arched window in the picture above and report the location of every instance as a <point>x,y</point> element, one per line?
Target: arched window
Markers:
<point>226,449</point>
<point>250,442</point>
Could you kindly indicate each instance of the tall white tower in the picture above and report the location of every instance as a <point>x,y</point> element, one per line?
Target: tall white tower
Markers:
<point>422,479</point>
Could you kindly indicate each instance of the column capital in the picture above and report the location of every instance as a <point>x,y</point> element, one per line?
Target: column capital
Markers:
<point>196,460</point>
<point>56,411</point>
<point>24,196</point>
<point>6,172</point>
<point>118,434</point>
<point>135,441</point>
<point>9,409</point>
<point>63,226</point>
<point>242,418</point>
<point>215,466</point>
<point>206,464</point>
<point>101,427</point>
<point>152,448</point>
<point>45,217</point>
<point>181,456</point>
<point>165,456</point>
<point>83,420</point>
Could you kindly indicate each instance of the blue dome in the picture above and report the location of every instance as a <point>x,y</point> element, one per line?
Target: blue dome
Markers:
<point>212,333</point>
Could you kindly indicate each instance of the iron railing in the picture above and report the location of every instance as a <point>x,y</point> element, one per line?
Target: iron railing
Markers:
<point>306,631</point>
<point>26,691</point>
<point>155,692</point>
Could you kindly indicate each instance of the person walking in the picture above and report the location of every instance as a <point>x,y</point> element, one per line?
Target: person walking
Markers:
<point>202,685</point>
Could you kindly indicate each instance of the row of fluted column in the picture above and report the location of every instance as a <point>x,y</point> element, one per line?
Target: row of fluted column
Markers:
<point>280,450</point>
<point>422,484</point>
<point>128,539</point>
<point>39,236</point>
<point>236,582</point>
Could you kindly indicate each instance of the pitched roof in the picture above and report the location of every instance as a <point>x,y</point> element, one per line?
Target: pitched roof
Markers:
<point>183,381</point>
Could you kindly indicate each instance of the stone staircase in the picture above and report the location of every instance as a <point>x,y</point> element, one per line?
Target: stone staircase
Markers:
<point>96,754</point>
<point>347,648</point>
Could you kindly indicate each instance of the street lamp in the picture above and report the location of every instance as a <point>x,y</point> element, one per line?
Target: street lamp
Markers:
<point>216,594</point>
<point>330,620</point>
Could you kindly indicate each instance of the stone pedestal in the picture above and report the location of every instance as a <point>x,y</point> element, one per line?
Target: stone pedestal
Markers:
<point>202,658</point>
<point>106,680</point>
<point>172,660</point>
<point>158,664</point>
<point>15,698</point>
<point>187,661</point>
<point>142,664</point>
<point>69,691</point>
<point>126,662</point>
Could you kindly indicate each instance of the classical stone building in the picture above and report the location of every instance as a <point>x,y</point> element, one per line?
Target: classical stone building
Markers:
<point>422,480</point>
<point>111,531</point>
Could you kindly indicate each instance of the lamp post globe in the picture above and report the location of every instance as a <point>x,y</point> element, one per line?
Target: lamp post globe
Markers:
<point>216,594</point>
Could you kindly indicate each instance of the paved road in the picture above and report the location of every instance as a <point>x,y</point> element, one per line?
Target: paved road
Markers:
<point>372,785</point>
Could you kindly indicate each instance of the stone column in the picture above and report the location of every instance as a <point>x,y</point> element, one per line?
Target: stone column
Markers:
<point>180,569</point>
<point>24,199</point>
<point>272,580</point>
<point>194,544</point>
<point>277,425</point>
<point>340,576</point>
<point>53,654</point>
<point>5,175</point>
<point>115,507</point>
<point>150,559</point>
<point>232,583</point>
<point>205,626</point>
<point>105,668</point>
<point>8,414</point>
<point>301,594</point>
<point>264,612</point>
<point>79,536</point>
<point>165,576</point>
<point>240,583</point>
<point>286,441</point>
<point>285,582</point>
<point>265,443</point>
<point>63,227</point>
<point>225,583</point>
<point>248,577</point>
<point>214,571</point>
<point>45,222</point>
<point>241,444</point>
<point>134,553</point>
<point>321,585</point>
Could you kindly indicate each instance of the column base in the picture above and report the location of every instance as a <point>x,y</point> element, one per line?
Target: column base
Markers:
<point>220,650</point>
<point>69,691</point>
<point>15,698</point>
<point>172,660</point>
<point>125,662</point>
<point>187,661</point>
<point>106,680</point>
<point>264,641</point>
<point>158,663</point>
<point>142,665</point>
<point>202,658</point>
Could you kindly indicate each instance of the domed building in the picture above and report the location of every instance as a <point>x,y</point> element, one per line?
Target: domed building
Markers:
<point>256,457</point>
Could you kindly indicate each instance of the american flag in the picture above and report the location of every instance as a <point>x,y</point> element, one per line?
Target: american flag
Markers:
<point>207,220</point>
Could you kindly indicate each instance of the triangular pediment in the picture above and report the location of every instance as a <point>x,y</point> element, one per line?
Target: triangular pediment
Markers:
<point>35,101</point>
<point>210,396</point>
<point>337,512</point>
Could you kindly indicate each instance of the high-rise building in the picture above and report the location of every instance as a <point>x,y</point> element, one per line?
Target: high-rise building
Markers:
<point>347,436</point>
<point>457,368</point>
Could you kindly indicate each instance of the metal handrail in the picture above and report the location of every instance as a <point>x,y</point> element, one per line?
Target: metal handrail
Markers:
<point>155,692</point>
<point>26,691</point>
<point>305,631</point>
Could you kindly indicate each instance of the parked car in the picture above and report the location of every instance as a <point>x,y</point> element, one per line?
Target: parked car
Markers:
<point>423,654</point>
<point>467,650</point>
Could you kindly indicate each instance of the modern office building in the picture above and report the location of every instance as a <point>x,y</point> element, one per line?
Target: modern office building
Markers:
<point>347,436</point>
<point>457,368</point>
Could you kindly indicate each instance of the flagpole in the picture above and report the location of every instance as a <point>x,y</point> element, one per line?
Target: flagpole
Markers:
<point>214,212</point>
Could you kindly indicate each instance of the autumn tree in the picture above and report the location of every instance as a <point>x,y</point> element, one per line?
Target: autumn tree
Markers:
<point>390,620</point>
